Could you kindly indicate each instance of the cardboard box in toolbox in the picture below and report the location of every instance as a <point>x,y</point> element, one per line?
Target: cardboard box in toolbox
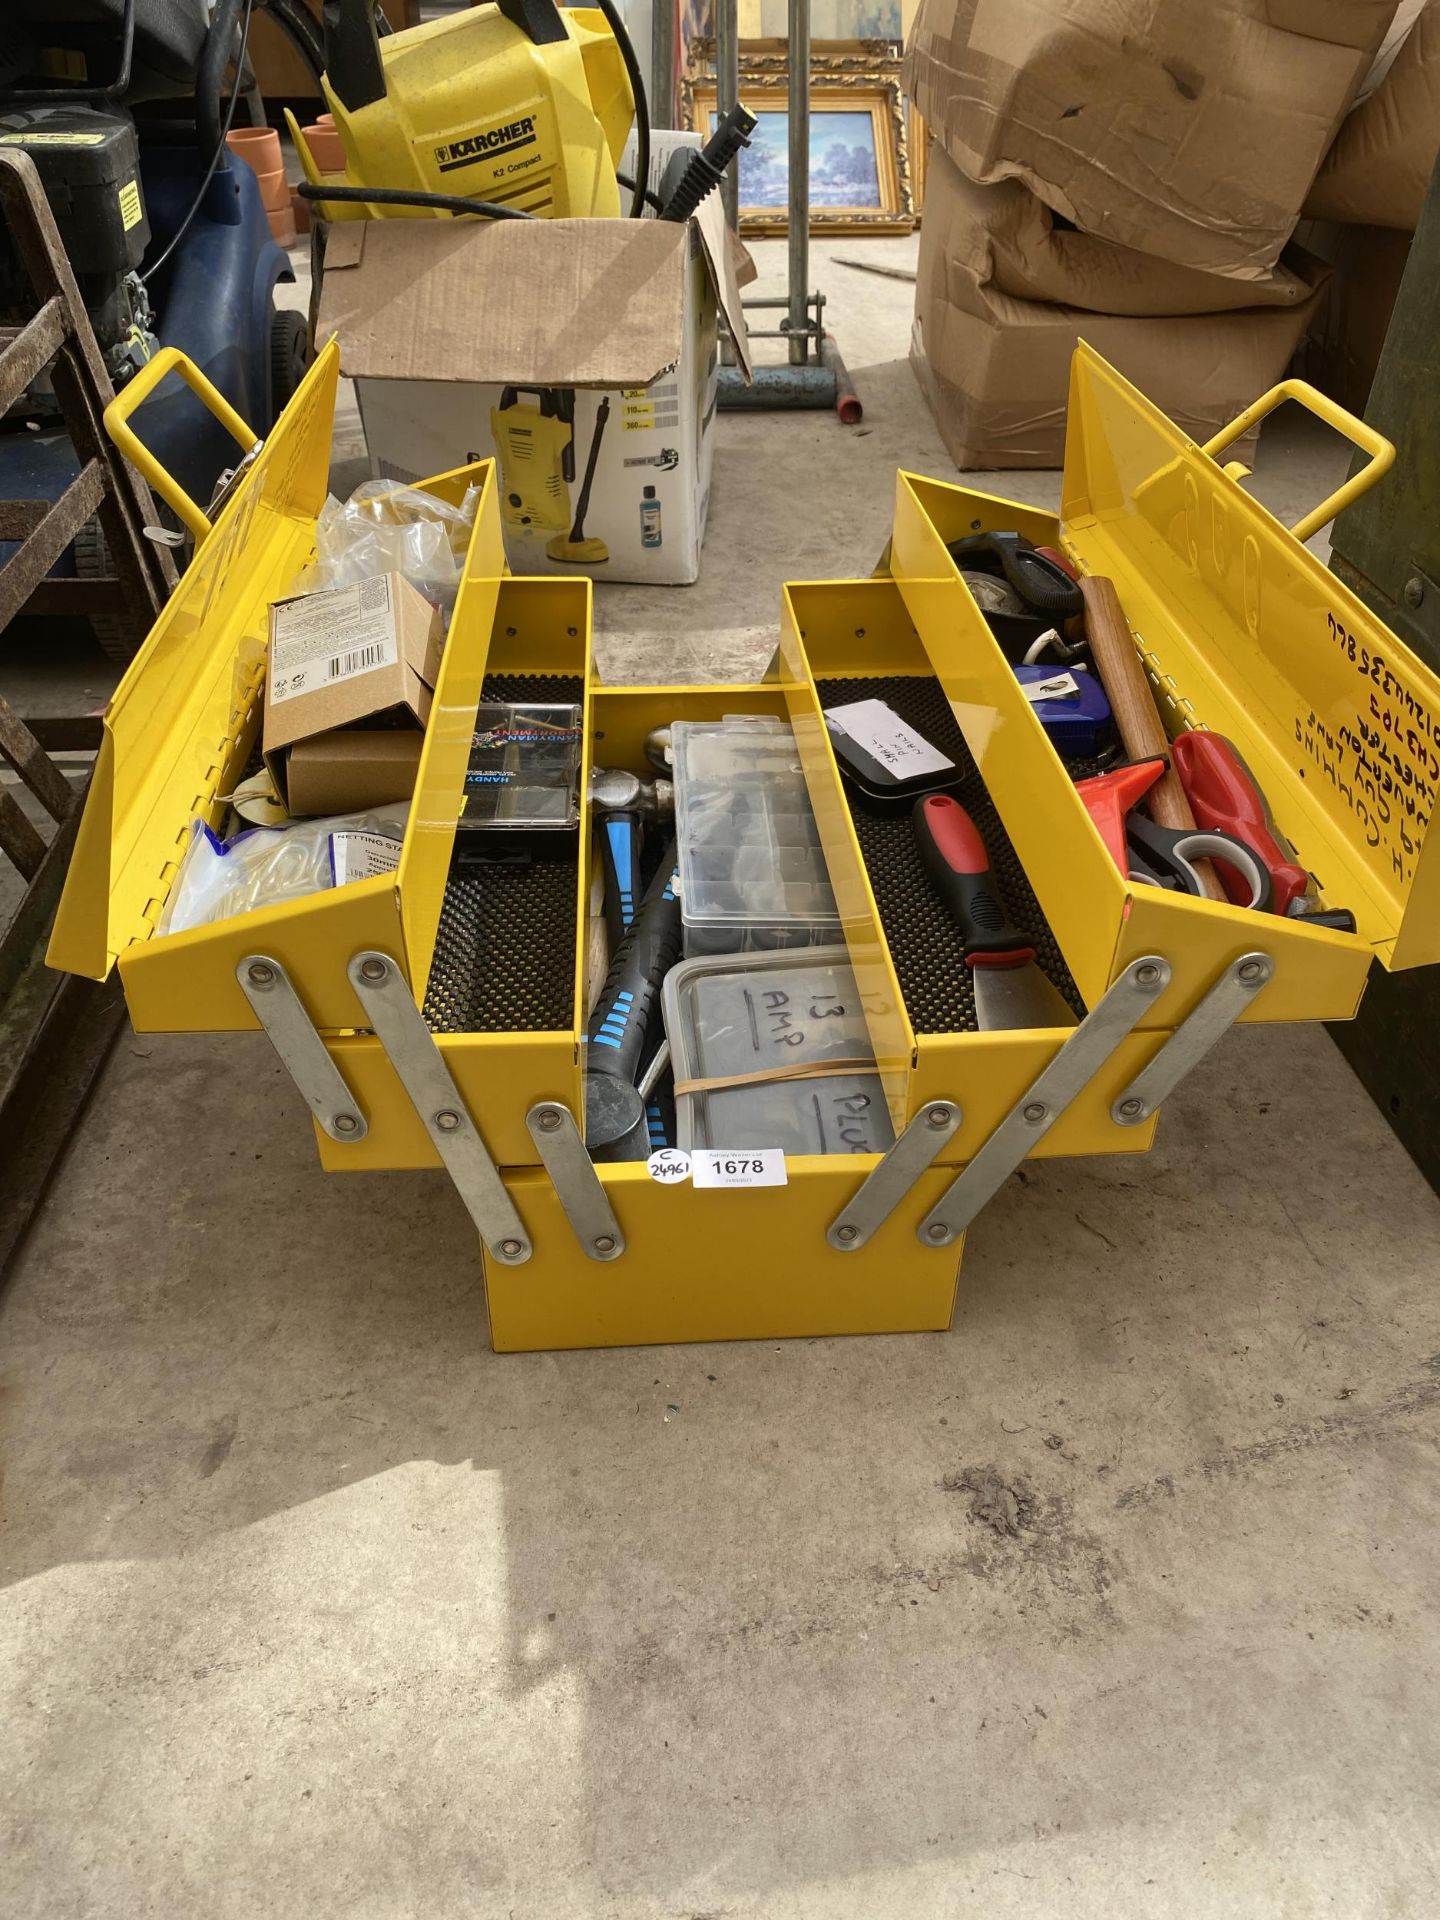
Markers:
<point>1188,129</point>
<point>580,354</point>
<point>995,368</point>
<point>349,680</point>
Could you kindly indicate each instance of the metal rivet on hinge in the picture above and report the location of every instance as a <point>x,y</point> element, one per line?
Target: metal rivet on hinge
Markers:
<point>1413,591</point>
<point>373,969</point>
<point>604,1243</point>
<point>1147,975</point>
<point>260,975</point>
<point>1226,1000</point>
<point>912,1152</point>
<point>512,1249</point>
<point>548,1118</point>
<point>1035,1112</point>
<point>938,1232</point>
<point>345,1123</point>
<point>447,1120</point>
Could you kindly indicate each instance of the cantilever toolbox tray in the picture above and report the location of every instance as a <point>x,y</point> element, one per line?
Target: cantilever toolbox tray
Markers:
<point>437,1017</point>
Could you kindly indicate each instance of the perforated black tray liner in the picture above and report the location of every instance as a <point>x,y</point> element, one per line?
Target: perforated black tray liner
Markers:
<point>924,941</point>
<point>505,949</point>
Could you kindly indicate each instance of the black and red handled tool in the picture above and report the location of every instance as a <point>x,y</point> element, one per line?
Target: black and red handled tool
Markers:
<point>1010,990</point>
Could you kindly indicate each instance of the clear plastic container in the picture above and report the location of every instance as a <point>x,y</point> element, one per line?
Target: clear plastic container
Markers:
<point>752,875</point>
<point>523,779</point>
<point>768,1012</point>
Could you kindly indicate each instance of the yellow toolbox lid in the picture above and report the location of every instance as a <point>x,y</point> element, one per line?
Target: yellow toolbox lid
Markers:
<point>187,696</point>
<point>1242,628</point>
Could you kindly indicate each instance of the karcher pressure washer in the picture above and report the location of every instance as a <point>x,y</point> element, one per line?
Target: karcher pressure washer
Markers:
<point>517,107</point>
<point>511,110</point>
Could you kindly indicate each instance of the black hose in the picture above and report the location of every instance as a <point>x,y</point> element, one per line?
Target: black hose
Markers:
<point>642,106</point>
<point>219,146</point>
<point>411,197</point>
<point>652,199</point>
<point>210,72</point>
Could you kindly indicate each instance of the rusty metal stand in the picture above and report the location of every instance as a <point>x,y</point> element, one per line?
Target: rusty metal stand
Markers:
<point>55,1030</point>
<point>814,375</point>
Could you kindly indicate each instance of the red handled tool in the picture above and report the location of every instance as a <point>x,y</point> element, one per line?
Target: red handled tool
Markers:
<point>1225,799</point>
<point>1010,990</point>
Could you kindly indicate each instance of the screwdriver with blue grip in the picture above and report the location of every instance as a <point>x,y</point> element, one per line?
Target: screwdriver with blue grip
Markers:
<point>625,1019</point>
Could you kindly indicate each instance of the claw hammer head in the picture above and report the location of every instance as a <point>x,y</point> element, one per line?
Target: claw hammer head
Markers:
<point>613,790</point>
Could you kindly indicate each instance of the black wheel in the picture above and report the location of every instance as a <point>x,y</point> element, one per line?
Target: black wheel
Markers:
<point>118,638</point>
<point>289,357</point>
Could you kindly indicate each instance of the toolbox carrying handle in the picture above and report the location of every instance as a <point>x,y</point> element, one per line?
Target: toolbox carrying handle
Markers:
<point>1380,450</point>
<point>117,425</point>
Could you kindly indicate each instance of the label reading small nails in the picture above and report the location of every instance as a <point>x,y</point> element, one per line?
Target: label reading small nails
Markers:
<point>879,731</point>
<point>738,1167</point>
<point>669,1166</point>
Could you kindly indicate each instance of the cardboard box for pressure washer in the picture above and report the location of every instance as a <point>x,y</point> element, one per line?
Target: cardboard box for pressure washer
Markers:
<point>347,694</point>
<point>1003,295</point>
<point>581,354</point>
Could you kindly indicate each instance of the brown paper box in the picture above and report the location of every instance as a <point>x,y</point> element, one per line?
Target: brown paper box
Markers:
<point>1004,237</point>
<point>354,662</point>
<point>1377,171</point>
<point>1187,129</point>
<point>350,772</point>
<point>996,370</point>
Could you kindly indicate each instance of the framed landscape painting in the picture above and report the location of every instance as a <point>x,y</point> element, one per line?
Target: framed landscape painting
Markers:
<point>859,167</point>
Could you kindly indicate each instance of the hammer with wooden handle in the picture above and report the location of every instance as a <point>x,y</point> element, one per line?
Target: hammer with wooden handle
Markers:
<point>1136,715</point>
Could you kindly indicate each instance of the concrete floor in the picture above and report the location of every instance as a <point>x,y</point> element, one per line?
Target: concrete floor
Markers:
<point>312,1605</point>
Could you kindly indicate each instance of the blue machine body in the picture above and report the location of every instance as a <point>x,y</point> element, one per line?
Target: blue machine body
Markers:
<point>214,300</point>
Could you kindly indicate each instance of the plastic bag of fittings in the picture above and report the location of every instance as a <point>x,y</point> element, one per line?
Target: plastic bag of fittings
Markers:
<point>386,528</point>
<point>264,866</point>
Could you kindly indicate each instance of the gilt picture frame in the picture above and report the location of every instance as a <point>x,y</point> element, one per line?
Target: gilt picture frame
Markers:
<point>859,149</point>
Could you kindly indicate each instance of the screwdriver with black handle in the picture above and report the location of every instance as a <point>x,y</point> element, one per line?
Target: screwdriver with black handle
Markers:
<point>624,1021</point>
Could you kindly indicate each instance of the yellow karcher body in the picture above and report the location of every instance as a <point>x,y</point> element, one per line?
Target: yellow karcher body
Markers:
<point>518,103</point>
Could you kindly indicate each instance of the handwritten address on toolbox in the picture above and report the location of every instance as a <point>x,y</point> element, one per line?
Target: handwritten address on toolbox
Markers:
<point>1385,764</point>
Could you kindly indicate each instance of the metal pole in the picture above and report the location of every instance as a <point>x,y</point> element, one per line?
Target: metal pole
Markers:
<point>799,49</point>
<point>662,63</point>
<point>727,94</point>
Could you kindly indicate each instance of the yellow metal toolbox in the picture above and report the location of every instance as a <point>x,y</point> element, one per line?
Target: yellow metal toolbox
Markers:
<point>438,1017</point>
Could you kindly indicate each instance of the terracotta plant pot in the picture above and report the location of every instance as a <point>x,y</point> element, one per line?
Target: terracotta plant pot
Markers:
<point>259,148</point>
<point>327,149</point>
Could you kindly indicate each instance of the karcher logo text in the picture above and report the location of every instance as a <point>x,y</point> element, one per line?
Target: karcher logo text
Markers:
<point>486,146</point>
